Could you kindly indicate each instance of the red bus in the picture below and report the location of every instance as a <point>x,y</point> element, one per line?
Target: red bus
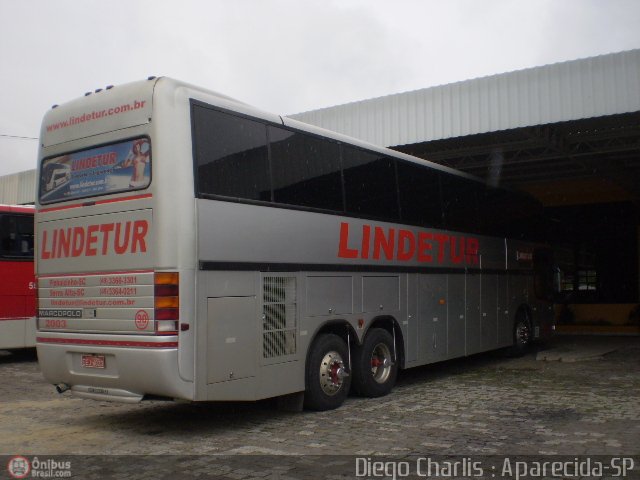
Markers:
<point>17,280</point>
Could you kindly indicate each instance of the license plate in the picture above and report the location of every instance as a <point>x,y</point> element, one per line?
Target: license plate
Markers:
<point>93,361</point>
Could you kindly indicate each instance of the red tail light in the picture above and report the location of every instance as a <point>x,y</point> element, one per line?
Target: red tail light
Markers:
<point>167,302</point>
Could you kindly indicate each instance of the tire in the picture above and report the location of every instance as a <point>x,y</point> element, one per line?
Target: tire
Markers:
<point>522,335</point>
<point>374,368</point>
<point>327,381</point>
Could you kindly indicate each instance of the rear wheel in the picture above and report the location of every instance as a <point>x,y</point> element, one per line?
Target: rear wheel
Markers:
<point>374,367</point>
<point>327,379</point>
<point>522,335</point>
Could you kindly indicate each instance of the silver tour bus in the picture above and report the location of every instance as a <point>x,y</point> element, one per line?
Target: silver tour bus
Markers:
<point>201,249</point>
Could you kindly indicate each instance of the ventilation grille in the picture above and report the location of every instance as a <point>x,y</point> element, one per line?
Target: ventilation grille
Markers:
<point>278,316</point>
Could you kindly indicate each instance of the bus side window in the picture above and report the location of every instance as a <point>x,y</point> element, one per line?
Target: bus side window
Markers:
<point>231,155</point>
<point>25,234</point>
<point>16,236</point>
<point>5,240</point>
<point>420,201</point>
<point>305,170</point>
<point>370,184</point>
<point>460,203</point>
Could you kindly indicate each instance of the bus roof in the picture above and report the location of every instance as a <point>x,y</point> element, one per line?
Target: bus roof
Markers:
<point>222,101</point>
<point>131,104</point>
<point>17,208</point>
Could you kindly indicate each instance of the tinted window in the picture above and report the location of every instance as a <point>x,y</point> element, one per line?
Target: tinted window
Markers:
<point>494,211</point>
<point>16,236</point>
<point>370,184</point>
<point>460,198</point>
<point>246,159</point>
<point>510,214</point>
<point>231,155</point>
<point>305,170</point>
<point>419,195</point>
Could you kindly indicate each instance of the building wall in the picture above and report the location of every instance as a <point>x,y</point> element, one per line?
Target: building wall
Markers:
<point>19,188</point>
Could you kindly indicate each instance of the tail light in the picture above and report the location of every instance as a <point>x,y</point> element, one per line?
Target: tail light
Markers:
<point>167,302</point>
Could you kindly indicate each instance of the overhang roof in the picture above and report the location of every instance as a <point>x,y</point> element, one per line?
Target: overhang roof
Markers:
<point>573,90</point>
<point>576,121</point>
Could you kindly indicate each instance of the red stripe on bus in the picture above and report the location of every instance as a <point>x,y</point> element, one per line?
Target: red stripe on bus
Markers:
<point>98,202</point>
<point>107,343</point>
<point>6,319</point>
<point>134,197</point>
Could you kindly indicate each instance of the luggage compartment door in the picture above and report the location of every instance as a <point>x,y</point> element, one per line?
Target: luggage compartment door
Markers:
<point>231,338</point>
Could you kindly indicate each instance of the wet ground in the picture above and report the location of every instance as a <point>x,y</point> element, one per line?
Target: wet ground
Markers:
<point>488,404</point>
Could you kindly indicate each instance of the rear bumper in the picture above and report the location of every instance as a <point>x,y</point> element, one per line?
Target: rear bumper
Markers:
<point>135,365</point>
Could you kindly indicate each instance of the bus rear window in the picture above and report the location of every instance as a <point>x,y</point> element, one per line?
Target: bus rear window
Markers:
<point>114,168</point>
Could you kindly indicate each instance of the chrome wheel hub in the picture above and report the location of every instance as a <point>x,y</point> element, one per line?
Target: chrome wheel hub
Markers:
<point>381,363</point>
<point>522,334</point>
<point>332,373</point>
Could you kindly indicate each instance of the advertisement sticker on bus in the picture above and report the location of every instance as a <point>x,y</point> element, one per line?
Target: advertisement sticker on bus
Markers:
<point>118,167</point>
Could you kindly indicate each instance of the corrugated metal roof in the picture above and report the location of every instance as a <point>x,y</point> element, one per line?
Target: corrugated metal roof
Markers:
<point>578,89</point>
<point>18,188</point>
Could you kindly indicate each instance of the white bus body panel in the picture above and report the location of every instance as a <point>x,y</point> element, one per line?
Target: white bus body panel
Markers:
<point>17,333</point>
<point>110,110</point>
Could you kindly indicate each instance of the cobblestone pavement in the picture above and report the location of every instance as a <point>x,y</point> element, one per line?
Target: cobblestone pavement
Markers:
<point>483,405</point>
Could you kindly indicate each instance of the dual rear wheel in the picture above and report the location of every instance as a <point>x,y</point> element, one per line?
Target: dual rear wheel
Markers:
<point>330,373</point>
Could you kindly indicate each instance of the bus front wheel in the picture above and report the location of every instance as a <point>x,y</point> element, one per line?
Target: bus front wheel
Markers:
<point>327,377</point>
<point>375,368</point>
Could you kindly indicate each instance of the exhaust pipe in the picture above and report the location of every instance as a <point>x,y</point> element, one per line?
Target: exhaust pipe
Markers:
<point>62,387</point>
